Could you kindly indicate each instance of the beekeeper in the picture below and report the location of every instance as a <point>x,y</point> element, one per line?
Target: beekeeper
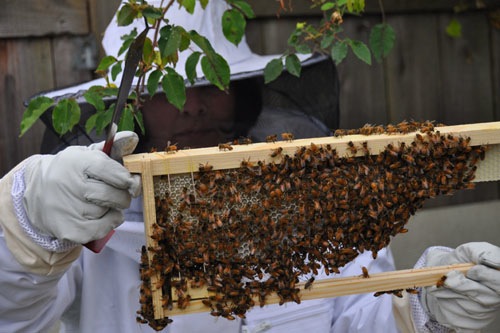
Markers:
<point>52,204</point>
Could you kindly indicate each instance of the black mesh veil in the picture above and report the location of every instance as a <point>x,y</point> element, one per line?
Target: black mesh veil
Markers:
<point>315,93</point>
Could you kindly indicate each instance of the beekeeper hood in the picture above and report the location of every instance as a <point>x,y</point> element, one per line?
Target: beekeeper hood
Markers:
<point>315,93</point>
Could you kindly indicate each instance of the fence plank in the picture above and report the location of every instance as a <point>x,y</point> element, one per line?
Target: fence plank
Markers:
<point>26,68</point>
<point>362,87</point>
<point>413,69</point>
<point>67,57</point>
<point>101,14</point>
<point>466,73</point>
<point>24,18</point>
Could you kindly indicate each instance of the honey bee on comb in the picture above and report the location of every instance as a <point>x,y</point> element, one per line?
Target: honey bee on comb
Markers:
<point>171,148</point>
<point>272,138</point>
<point>255,230</point>
<point>225,146</point>
<point>287,136</point>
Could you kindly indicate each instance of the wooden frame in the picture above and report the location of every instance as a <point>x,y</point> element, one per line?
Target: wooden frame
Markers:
<point>188,161</point>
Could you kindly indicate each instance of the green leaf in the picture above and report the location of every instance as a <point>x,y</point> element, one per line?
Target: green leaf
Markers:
<point>272,70</point>
<point>191,63</point>
<point>294,37</point>
<point>91,122</point>
<point>35,109</point>
<point>361,51</point>
<point>152,13</point>
<point>355,6</point>
<point>105,63</point>
<point>95,99</point>
<point>103,119</point>
<point>171,43</point>
<point>139,121</point>
<point>126,15</point>
<point>65,116</point>
<point>126,122</point>
<point>127,41</point>
<point>303,49</point>
<point>202,42</point>
<point>148,51</point>
<point>454,29</point>
<point>245,8</point>
<point>109,91</point>
<point>173,86</point>
<point>104,91</point>
<point>339,52</point>
<point>185,40</point>
<point>216,70</point>
<point>153,81</point>
<point>292,64</point>
<point>327,6</point>
<point>116,69</point>
<point>382,39</point>
<point>204,3</point>
<point>327,40</point>
<point>189,5</point>
<point>233,25</point>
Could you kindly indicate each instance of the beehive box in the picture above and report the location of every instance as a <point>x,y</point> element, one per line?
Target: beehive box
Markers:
<point>235,226</point>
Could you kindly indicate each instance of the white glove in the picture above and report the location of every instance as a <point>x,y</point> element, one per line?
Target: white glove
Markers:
<point>465,303</point>
<point>79,193</point>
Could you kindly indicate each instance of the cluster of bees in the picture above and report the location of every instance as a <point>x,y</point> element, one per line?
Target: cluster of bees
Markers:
<point>246,233</point>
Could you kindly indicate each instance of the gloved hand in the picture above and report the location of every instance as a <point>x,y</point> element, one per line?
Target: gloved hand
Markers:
<point>79,193</point>
<point>466,302</point>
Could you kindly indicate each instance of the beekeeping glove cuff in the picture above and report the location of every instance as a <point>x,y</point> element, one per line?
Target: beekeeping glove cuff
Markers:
<point>466,303</point>
<point>78,194</point>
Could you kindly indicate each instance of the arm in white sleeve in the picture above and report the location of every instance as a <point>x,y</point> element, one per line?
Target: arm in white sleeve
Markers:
<point>32,302</point>
<point>35,290</point>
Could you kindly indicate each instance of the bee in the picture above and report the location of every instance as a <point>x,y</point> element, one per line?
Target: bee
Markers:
<point>365,272</point>
<point>352,148</point>
<point>339,133</point>
<point>272,138</point>
<point>205,167</point>
<point>397,293</point>
<point>391,129</point>
<point>247,164</point>
<point>365,148</point>
<point>171,148</point>
<point>308,284</point>
<point>287,136</point>
<point>276,152</point>
<point>242,141</point>
<point>408,158</point>
<point>440,282</point>
<point>225,146</point>
<point>413,291</point>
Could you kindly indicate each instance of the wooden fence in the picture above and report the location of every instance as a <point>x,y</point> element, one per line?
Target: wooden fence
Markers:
<point>45,44</point>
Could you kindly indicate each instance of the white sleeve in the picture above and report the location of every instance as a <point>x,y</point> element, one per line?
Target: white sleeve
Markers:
<point>365,312</point>
<point>31,302</point>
